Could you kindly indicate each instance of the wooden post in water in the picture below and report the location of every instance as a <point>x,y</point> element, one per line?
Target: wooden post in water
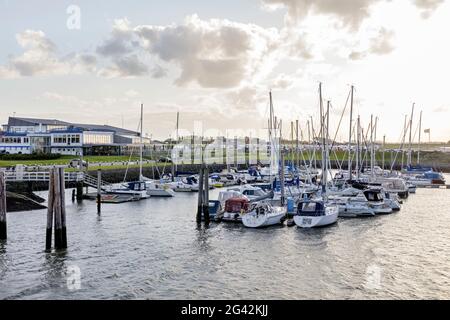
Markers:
<point>57,209</point>
<point>206,195</point>
<point>50,207</point>
<point>99,190</point>
<point>62,189</point>
<point>200,195</point>
<point>79,191</point>
<point>3,229</point>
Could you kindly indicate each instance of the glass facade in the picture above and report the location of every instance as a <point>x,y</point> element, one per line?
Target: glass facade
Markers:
<point>97,138</point>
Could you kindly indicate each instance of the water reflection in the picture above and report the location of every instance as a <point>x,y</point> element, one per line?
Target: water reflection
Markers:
<point>155,249</point>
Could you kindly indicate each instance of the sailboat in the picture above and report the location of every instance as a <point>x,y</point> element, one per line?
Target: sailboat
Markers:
<point>263,214</point>
<point>319,212</point>
<point>138,189</point>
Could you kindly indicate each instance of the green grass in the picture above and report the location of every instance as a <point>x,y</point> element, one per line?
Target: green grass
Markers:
<point>65,160</point>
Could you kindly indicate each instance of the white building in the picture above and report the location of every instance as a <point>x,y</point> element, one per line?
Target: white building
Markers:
<point>29,135</point>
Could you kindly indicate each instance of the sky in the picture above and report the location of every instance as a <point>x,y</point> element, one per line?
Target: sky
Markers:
<point>215,62</point>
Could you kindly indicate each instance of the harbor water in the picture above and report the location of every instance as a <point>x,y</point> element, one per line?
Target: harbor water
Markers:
<point>154,249</point>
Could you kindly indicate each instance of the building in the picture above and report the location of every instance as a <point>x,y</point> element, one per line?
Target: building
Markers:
<point>29,135</point>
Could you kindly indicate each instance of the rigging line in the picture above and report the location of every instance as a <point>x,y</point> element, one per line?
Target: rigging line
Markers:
<point>401,146</point>
<point>131,154</point>
<point>340,120</point>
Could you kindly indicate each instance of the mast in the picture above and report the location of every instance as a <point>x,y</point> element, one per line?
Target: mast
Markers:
<point>410,136</point>
<point>322,124</point>
<point>297,155</point>
<point>178,122</point>
<point>349,165</point>
<point>358,132</point>
<point>420,131</point>
<point>140,144</point>
<point>326,145</point>
<point>384,143</point>
<point>371,146</point>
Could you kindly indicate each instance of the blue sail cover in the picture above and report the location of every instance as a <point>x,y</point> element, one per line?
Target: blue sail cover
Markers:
<point>418,169</point>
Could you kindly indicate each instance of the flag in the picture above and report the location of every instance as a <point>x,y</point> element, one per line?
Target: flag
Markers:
<point>426,131</point>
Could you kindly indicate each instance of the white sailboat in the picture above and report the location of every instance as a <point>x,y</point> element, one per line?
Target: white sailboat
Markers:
<point>264,215</point>
<point>319,212</point>
<point>137,189</point>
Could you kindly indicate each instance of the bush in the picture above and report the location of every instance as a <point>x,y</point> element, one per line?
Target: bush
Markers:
<point>33,156</point>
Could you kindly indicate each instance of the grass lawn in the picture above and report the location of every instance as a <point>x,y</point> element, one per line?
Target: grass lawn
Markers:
<point>65,160</point>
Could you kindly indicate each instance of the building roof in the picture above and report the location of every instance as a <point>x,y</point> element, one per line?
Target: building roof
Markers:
<point>99,127</point>
<point>15,121</point>
<point>18,121</point>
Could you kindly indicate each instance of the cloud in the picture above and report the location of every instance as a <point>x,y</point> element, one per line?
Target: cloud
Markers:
<point>212,53</point>
<point>441,109</point>
<point>349,13</point>
<point>381,44</point>
<point>120,41</point>
<point>127,66</point>
<point>40,58</point>
<point>427,6</point>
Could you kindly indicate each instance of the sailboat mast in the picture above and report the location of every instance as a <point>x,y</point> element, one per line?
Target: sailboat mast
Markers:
<point>372,154</point>
<point>141,142</point>
<point>410,136</point>
<point>325,145</point>
<point>322,124</point>
<point>420,131</point>
<point>178,122</point>
<point>357,147</point>
<point>349,165</point>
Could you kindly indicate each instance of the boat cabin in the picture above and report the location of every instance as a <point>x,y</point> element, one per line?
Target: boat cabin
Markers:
<point>374,195</point>
<point>310,208</point>
<point>236,205</point>
<point>137,186</point>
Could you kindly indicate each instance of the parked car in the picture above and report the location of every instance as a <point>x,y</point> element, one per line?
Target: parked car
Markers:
<point>77,163</point>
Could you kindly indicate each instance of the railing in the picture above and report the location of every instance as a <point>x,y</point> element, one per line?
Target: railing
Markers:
<point>92,182</point>
<point>41,176</point>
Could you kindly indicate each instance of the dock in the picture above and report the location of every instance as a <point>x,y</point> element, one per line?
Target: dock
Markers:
<point>434,186</point>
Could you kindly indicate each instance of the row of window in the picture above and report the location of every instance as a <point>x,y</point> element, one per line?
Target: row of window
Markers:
<point>97,139</point>
<point>14,140</point>
<point>66,138</point>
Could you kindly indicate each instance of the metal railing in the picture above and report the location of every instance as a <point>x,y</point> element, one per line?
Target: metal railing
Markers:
<point>18,176</point>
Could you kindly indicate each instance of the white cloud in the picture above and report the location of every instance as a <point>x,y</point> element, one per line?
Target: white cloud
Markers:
<point>212,53</point>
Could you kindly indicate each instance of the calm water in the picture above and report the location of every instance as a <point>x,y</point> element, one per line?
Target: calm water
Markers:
<point>153,249</point>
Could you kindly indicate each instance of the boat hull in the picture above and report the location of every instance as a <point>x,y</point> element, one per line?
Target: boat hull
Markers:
<point>252,220</point>
<point>317,221</point>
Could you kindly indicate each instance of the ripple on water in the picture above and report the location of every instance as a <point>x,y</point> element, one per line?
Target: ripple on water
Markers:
<point>154,250</point>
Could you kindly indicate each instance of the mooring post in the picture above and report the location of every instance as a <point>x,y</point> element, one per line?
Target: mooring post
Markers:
<point>57,210</point>
<point>50,206</point>
<point>206,195</point>
<point>62,189</point>
<point>3,229</point>
<point>99,189</point>
<point>200,195</point>
<point>79,191</point>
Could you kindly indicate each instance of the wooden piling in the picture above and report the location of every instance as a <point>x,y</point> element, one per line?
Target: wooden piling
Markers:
<point>99,190</point>
<point>50,206</point>
<point>79,191</point>
<point>63,208</point>
<point>206,195</point>
<point>200,195</point>
<point>3,228</point>
<point>57,210</point>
